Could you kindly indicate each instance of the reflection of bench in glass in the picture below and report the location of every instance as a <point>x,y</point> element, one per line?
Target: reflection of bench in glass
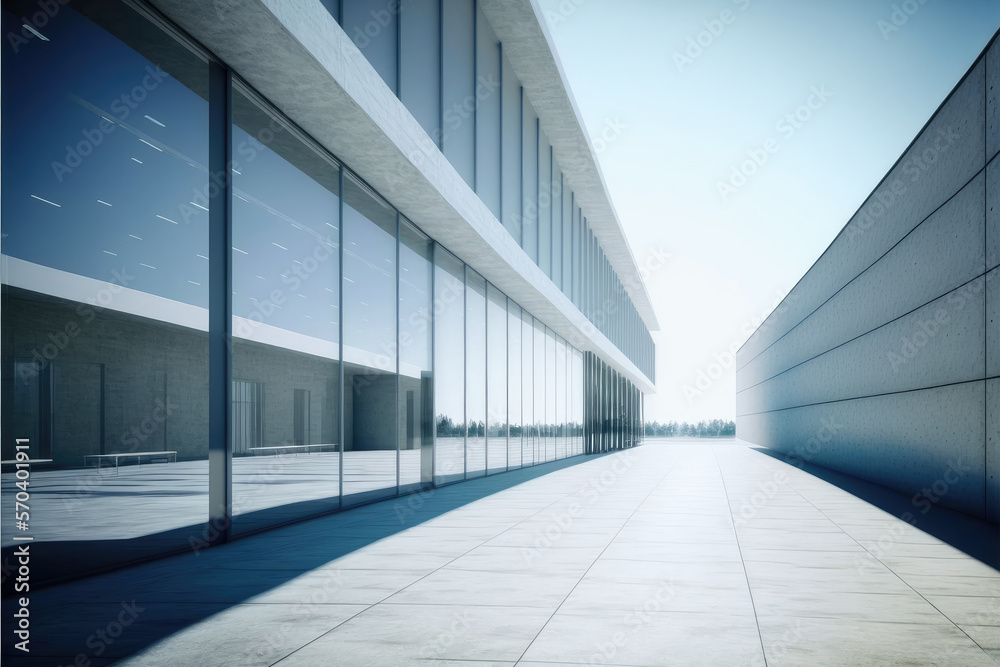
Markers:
<point>291,449</point>
<point>153,457</point>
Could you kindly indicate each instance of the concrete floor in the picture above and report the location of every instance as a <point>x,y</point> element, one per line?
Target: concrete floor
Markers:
<point>674,553</point>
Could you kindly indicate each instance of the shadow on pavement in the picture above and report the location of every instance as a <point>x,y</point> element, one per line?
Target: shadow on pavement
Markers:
<point>976,537</point>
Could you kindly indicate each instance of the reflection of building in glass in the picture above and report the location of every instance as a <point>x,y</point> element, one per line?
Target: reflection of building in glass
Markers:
<point>243,291</point>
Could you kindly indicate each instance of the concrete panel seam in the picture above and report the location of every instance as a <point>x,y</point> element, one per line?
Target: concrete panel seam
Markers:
<point>865,397</point>
<point>813,312</point>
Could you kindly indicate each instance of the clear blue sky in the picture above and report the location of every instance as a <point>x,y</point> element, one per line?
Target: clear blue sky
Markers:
<point>681,119</point>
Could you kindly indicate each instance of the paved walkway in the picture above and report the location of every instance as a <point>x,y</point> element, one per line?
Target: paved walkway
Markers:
<point>674,553</point>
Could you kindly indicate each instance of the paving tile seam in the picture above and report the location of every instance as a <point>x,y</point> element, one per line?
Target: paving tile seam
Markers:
<point>385,600</point>
<point>659,482</point>
<point>896,574</point>
<point>753,604</point>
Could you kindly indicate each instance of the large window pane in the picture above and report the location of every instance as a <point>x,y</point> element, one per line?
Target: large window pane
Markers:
<point>285,362</point>
<point>105,197</point>
<point>562,451</point>
<point>550,395</point>
<point>566,243</point>
<point>416,383</point>
<point>475,373</point>
<point>449,366</point>
<point>511,151</point>
<point>557,224</point>
<point>459,86</point>
<point>487,114</point>
<point>372,25</point>
<point>529,428</point>
<point>577,386</point>
<point>420,64</point>
<point>369,311</point>
<point>496,379</point>
<point>544,204</point>
<point>514,411</point>
<point>541,430</point>
<point>529,192</point>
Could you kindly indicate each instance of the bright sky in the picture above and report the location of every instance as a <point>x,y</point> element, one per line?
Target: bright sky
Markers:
<point>681,116</point>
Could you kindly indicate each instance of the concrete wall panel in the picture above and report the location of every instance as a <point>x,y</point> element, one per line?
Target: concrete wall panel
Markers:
<point>943,158</point>
<point>993,450</point>
<point>993,100</point>
<point>993,323</point>
<point>940,343</point>
<point>993,214</point>
<point>943,253</point>
<point>885,359</point>
<point>906,441</point>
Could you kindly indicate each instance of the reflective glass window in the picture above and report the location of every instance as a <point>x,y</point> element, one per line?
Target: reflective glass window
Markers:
<point>514,412</point>
<point>416,382</point>
<point>562,451</point>
<point>372,26</point>
<point>541,429</point>
<point>369,312</point>
<point>544,204</point>
<point>449,366</point>
<point>557,224</point>
<point>488,99</point>
<point>475,373</point>
<point>529,180</point>
<point>286,321</point>
<point>550,395</point>
<point>527,390</point>
<point>105,197</point>
<point>496,379</point>
<point>511,151</point>
<point>459,86</point>
<point>420,64</point>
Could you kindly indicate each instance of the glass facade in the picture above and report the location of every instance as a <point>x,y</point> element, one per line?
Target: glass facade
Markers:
<point>212,326</point>
<point>489,131</point>
<point>285,262</point>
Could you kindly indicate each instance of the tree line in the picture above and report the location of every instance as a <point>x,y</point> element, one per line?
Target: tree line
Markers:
<point>703,429</point>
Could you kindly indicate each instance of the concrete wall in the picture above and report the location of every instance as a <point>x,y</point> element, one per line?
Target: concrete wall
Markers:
<point>884,360</point>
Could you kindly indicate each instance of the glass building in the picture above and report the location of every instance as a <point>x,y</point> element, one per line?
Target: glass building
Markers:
<point>262,263</point>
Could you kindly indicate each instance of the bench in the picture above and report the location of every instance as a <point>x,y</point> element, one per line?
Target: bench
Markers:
<point>165,456</point>
<point>290,449</point>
